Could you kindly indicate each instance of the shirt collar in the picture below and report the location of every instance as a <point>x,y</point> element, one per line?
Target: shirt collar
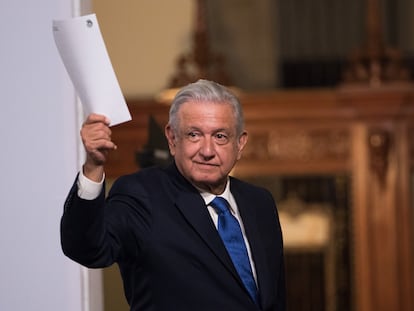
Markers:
<point>208,197</point>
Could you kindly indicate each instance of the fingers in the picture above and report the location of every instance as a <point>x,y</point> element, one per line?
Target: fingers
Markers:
<point>96,118</point>
<point>96,138</point>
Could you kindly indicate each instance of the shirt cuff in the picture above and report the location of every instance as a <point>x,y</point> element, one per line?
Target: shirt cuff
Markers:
<point>88,189</point>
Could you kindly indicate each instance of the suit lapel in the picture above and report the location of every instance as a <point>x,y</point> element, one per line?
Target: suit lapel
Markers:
<point>251,226</point>
<point>193,208</point>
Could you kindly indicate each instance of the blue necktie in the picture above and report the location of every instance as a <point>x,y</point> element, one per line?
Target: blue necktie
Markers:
<point>231,234</point>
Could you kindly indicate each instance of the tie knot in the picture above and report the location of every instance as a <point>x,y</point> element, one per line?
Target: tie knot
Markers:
<point>220,205</point>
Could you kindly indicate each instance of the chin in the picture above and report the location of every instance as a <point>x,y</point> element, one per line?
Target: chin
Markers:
<point>205,181</point>
<point>210,181</point>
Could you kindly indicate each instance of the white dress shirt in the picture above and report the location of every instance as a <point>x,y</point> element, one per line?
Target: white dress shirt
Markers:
<point>208,197</point>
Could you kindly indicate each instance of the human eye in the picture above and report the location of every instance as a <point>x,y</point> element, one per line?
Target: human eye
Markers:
<point>221,138</point>
<point>193,136</point>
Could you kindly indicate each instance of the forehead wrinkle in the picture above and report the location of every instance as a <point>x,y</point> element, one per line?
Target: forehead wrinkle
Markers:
<point>203,117</point>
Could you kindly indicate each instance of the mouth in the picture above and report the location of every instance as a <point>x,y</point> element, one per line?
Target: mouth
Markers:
<point>207,165</point>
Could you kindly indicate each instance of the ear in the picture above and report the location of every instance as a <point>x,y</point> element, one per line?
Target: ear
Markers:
<point>241,143</point>
<point>169,134</point>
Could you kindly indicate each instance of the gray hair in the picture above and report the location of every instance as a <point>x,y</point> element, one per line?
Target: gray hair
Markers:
<point>206,91</point>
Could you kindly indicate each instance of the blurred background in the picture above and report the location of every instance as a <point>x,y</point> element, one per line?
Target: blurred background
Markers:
<point>321,82</point>
<point>326,86</point>
<point>265,44</point>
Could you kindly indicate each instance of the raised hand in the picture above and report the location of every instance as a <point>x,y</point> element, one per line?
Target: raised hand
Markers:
<point>96,138</point>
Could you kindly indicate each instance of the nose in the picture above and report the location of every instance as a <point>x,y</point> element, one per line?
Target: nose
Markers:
<point>207,148</point>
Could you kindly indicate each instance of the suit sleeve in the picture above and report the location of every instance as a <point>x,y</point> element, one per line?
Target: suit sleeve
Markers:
<point>281,285</point>
<point>281,281</point>
<point>96,233</point>
<point>280,296</point>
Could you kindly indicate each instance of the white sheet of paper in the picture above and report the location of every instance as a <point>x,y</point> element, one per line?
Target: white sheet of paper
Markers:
<point>82,49</point>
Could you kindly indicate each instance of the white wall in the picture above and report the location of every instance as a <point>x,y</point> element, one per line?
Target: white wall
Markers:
<point>38,146</point>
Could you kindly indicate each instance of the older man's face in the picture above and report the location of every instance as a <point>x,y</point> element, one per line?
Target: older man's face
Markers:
<point>206,146</point>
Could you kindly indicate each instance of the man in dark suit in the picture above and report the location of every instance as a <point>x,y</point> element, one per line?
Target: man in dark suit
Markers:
<point>164,227</point>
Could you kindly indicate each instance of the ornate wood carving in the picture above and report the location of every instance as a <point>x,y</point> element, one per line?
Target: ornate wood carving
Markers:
<point>298,144</point>
<point>200,62</point>
<point>379,144</point>
<point>375,63</point>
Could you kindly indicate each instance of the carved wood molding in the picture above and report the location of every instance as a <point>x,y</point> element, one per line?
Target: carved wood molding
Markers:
<point>379,144</point>
<point>298,144</point>
<point>201,62</point>
<point>376,63</point>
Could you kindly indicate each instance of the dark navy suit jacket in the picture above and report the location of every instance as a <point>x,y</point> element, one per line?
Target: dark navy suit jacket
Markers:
<point>155,225</point>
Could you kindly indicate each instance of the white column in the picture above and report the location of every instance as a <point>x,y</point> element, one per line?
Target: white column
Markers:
<point>39,159</point>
